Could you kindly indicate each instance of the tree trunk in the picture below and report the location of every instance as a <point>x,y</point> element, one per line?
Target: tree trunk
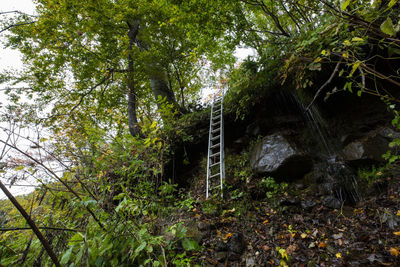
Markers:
<point>133,124</point>
<point>158,80</point>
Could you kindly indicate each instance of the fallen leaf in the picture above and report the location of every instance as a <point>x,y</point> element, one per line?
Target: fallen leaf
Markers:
<point>337,236</point>
<point>303,235</point>
<point>396,233</point>
<point>266,248</point>
<point>398,213</point>
<point>312,244</point>
<point>292,248</point>
<point>322,245</point>
<point>266,221</point>
<point>194,210</point>
<point>227,235</point>
<point>315,233</point>
<point>338,255</point>
<point>394,251</point>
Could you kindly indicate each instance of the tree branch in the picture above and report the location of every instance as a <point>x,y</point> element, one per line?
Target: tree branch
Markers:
<point>325,84</point>
<point>16,25</point>
<point>32,224</point>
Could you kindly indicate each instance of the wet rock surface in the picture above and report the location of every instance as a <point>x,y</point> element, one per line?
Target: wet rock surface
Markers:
<point>369,148</point>
<point>276,156</point>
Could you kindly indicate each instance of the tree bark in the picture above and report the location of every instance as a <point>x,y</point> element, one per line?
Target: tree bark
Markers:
<point>133,124</point>
<point>158,80</point>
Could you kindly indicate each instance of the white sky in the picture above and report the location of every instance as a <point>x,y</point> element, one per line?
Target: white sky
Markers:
<point>11,59</point>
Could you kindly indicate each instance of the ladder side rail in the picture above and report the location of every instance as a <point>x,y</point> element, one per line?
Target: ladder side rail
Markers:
<point>209,148</point>
<point>221,147</point>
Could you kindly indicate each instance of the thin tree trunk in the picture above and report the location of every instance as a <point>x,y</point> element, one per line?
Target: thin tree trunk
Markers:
<point>133,124</point>
<point>32,224</point>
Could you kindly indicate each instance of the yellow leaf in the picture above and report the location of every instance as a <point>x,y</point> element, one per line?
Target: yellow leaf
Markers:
<point>355,66</point>
<point>345,55</point>
<point>266,221</point>
<point>303,235</point>
<point>347,42</point>
<point>398,213</point>
<point>227,235</point>
<point>323,52</point>
<point>318,59</point>
<point>394,251</point>
<point>396,233</point>
<point>338,255</point>
<point>357,39</point>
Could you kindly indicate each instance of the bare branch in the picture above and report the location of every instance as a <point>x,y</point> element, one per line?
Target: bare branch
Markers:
<point>325,84</point>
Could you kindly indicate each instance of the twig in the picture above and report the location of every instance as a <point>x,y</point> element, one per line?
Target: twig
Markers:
<point>325,84</point>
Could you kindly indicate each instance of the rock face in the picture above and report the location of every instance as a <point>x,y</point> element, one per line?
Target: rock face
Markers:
<point>276,156</point>
<point>369,148</point>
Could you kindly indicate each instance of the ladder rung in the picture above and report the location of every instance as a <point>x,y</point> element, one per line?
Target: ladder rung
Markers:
<point>216,110</point>
<point>216,130</point>
<point>215,154</point>
<point>216,145</point>
<point>215,175</point>
<point>216,123</point>
<point>215,164</point>
<point>215,137</point>
<point>217,117</point>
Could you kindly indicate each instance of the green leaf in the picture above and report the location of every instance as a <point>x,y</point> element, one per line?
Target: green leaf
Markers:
<point>189,244</point>
<point>344,4</point>
<point>357,39</point>
<point>387,27</point>
<point>140,247</point>
<point>19,168</point>
<point>67,255</point>
<point>392,3</point>
<point>348,86</point>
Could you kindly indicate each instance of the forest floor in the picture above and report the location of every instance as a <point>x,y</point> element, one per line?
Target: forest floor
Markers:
<point>295,228</point>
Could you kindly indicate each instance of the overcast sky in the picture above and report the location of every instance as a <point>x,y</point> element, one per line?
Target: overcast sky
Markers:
<point>10,59</point>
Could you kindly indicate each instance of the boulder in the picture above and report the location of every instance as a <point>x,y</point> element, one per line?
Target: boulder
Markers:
<point>370,148</point>
<point>274,155</point>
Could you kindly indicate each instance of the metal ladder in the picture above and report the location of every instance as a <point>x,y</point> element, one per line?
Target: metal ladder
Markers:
<point>215,158</point>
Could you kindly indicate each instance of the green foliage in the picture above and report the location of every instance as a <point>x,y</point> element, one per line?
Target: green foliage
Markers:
<point>248,83</point>
<point>392,155</point>
<point>370,176</point>
<point>271,187</point>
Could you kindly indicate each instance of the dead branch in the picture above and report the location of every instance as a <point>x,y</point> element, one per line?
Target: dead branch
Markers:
<point>325,84</point>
